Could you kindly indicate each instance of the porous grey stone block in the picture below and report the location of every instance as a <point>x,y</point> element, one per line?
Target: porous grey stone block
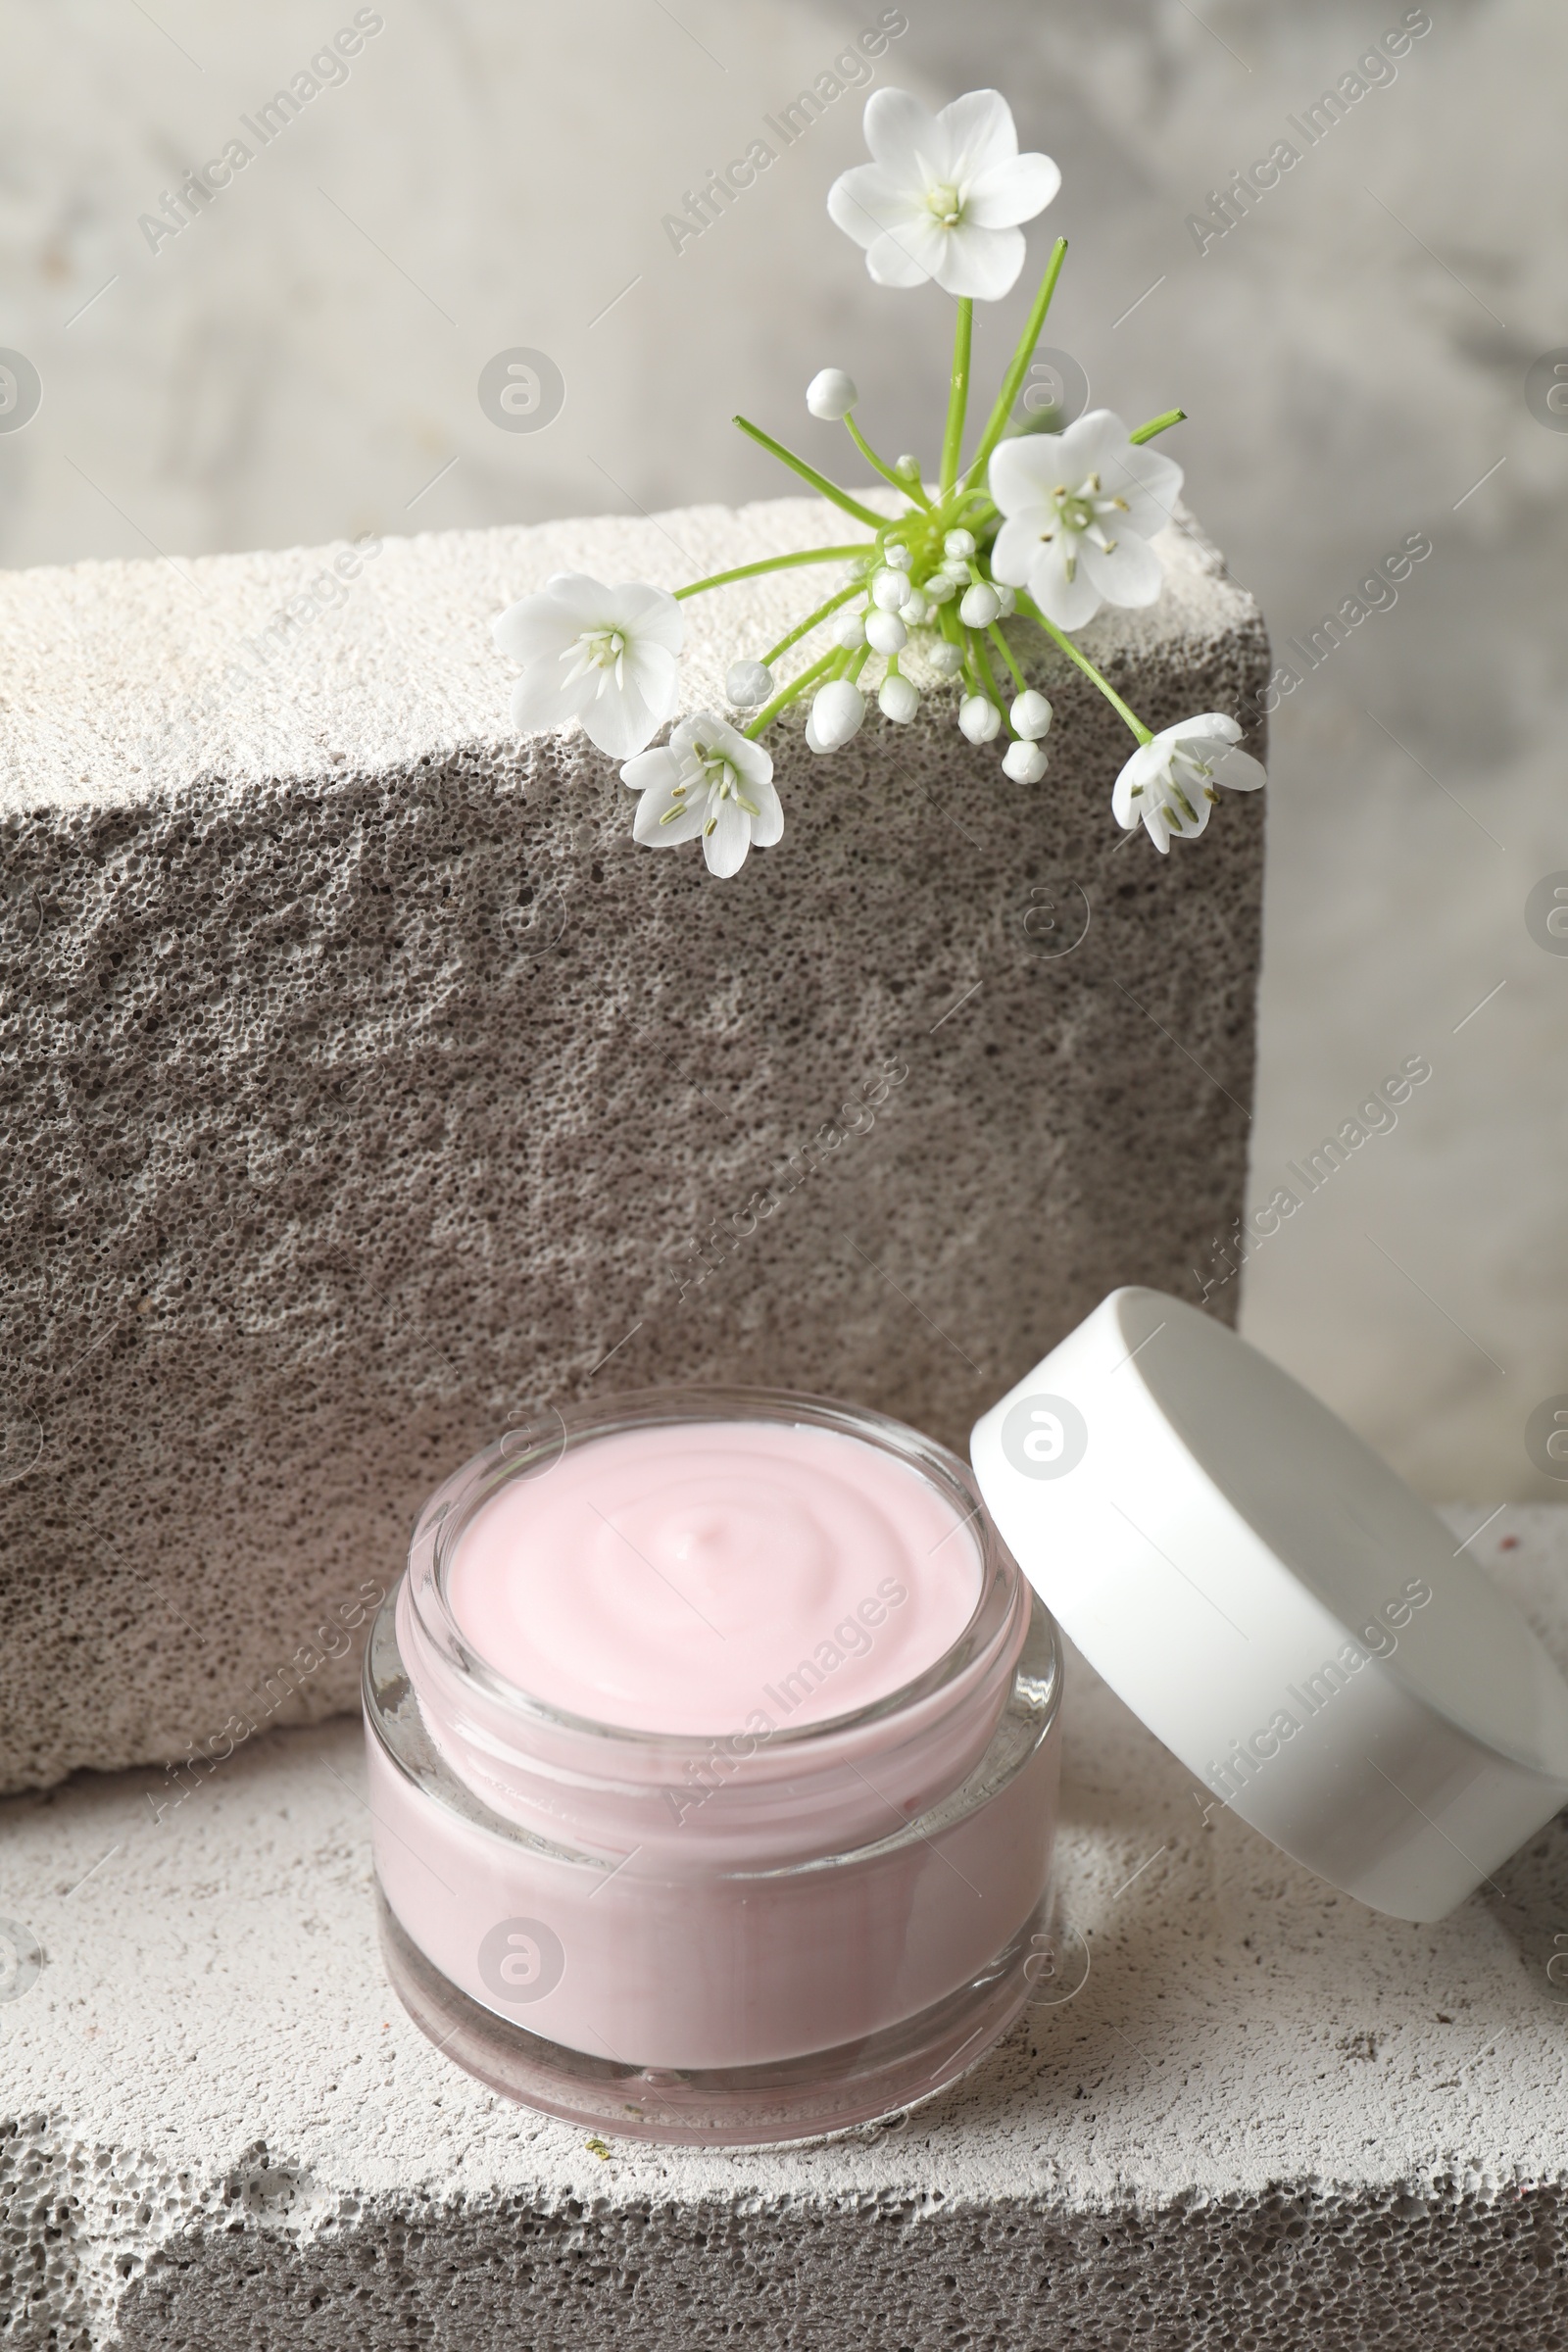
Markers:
<point>1267,2118</point>
<point>366,1089</point>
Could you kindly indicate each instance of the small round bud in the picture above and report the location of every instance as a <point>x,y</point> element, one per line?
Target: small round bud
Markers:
<point>979,717</point>
<point>836,711</point>
<point>939,587</point>
<point>888,589</point>
<point>886,633</point>
<point>849,632</point>
<point>747,683</point>
<point>831,395</point>
<point>900,559</point>
<point>914,609</point>
<point>959,544</point>
<point>897,699</point>
<point>909,465</point>
<point>1024,762</point>
<point>980,607</point>
<point>1031,715</point>
<point>946,659</point>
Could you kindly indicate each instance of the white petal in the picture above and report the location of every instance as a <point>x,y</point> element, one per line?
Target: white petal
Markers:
<point>1203,729</point>
<point>901,134</point>
<point>541,704</point>
<point>726,838</point>
<point>580,597</point>
<point>650,769</point>
<point>619,720</point>
<point>910,255</point>
<point>1089,444</point>
<point>650,614</point>
<point>685,818</point>
<point>1025,469</point>
<point>656,673</point>
<point>1012,191</point>
<point>534,626</point>
<point>1012,551</point>
<point>767,825</point>
<point>1130,574</point>
<point>1145,766</point>
<point>867,201</point>
<point>977,133</point>
<point>982,265</point>
<point>1070,604</point>
<point>1238,771</point>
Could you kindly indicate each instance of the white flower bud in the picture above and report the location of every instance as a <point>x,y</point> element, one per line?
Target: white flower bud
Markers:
<point>914,610</point>
<point>959,544</point>
<point>979,717</point>
<point>897,699</point>
<point>836,711</point>
<point>888,589</point>
<point>957,570</point>
<point>886,633</point>
<point>946,659</point>
<point>980,607</point>
<point>1007,599</point>
<point>849,632</point>
<point>831,395</point>
<point>747,683</point>
<point>1031,715</point>
<point>907,465</point>
<point>900,559</point>
<point>1024,762</point>
<point>940,586</point>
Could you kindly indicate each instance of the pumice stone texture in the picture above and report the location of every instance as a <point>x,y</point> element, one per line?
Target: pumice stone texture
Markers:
<point>368,1090</point>
<point>1245,2112</point>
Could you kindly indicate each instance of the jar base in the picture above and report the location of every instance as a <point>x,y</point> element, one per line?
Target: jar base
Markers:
<point>722,2107</point>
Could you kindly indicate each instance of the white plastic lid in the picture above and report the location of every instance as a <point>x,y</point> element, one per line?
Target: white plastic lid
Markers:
<point>1277,1605</point>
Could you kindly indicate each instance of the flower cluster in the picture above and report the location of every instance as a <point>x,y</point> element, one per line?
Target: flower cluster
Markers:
<point>1043,528</point>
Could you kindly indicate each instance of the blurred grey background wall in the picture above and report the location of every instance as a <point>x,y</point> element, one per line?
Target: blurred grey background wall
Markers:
<point>302,359</point>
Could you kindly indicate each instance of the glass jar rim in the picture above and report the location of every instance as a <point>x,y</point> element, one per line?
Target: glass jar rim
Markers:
<point>534,1449</point>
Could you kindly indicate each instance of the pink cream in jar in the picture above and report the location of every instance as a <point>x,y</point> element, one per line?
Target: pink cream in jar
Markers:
<point>713,1751</point>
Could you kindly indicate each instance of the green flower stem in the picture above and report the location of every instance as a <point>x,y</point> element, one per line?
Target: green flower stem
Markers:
<point>1007,653</point>
<point>959,396</point>
<point>857,663</point>
<point>1032,612</point>
<point>984,668</point>
<point>1158,424</point>
<point>1018,365</point>
<point>899,481</point>
<point>809,473</point>
<point>791,693</point>
<point>812,621</point>
<point>751,572</point>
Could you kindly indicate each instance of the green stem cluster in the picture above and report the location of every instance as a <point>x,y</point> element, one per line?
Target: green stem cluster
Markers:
<point>959,502</point>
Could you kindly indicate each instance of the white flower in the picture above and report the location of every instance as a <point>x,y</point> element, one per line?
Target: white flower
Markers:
<point>979,717</point>
<point>1031,715</point>
<point>885,633</point>
<point>981,606</point>
<point>897,699</point>
<point>889,588</point>
<point>603,656</point>
<point>831,395</point>
<point>1081,507</point>
<point>1169,782</point>
<point>944,194</point>
<point>708,780</point>
<point>1024,762</point>
<point>849,632</point>
<point>836,711</point>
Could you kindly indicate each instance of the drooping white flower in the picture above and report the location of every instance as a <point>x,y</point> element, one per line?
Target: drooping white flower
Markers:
<point>836,711</point>
<point>831,395</point>
<point>1168,784</point>
<point>1081,507</point>
<point>1025,763</point>
<point>943,194</point>
<point>978,717</point>
<point>710,781</point>
<point>605,657</point>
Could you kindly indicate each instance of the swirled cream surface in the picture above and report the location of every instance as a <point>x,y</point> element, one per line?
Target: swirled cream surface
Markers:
<point>678,1578</point>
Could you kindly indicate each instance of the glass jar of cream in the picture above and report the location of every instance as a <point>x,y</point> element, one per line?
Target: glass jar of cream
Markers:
<point>713,1746</point>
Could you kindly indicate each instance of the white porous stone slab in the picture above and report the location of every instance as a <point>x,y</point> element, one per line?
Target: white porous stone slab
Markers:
<point>1268,2119</point>
<point>366,1090</point>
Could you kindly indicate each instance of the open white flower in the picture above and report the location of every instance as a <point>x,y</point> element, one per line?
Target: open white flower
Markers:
<point>944,195</point>
<point>605,657</point>
<point>1081,507</point>
<point>708,780</point>
<point>1168,784</point>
